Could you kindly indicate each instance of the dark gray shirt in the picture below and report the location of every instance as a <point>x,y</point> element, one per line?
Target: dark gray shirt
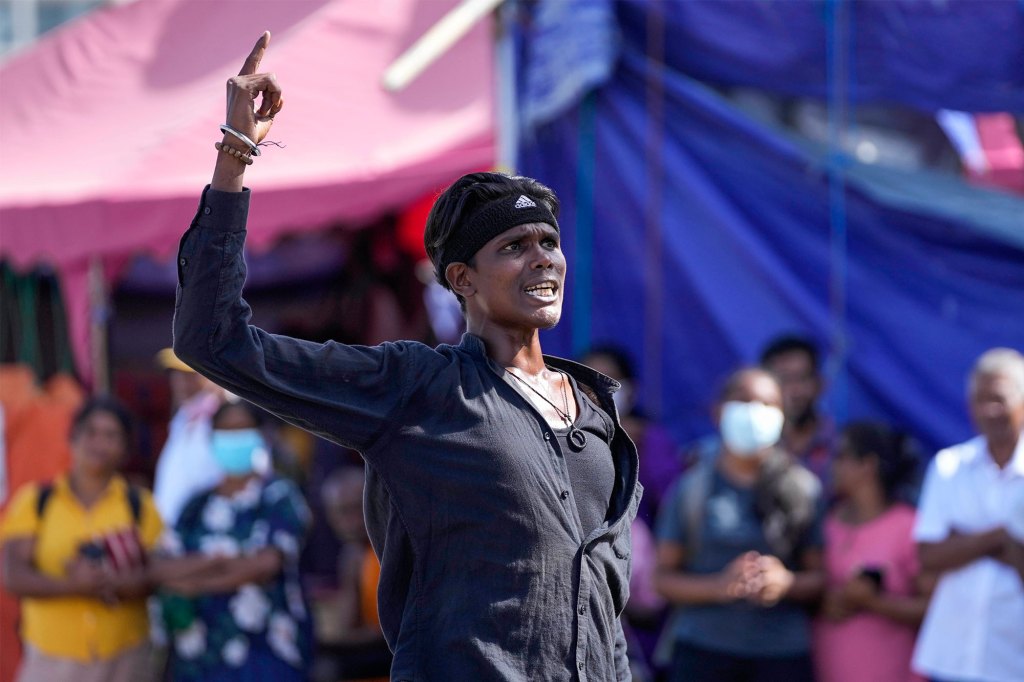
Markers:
<point>486,572</point>
<point>591,469</point>
<point>730,526</point>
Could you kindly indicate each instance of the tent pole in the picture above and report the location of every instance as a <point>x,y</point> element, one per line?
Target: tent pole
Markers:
<point>98,313</point>
<point>438,39</point>
<point>506,119</point>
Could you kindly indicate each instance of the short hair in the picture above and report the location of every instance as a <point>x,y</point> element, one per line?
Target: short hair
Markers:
<point>257,414</point>
<point>1003,361</point>
<point>105,404</point>
<point>617,355</point>
<point>733,381</point>
<point>789,343</point>
<point>461,200</point>
<point>898,454</point>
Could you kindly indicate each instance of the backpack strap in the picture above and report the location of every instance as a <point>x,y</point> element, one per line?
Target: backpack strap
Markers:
<point>696,488</point>
<point>43,498</point>
<point>134,503</point>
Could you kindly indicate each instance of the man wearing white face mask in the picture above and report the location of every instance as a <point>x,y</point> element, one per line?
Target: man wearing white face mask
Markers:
<point>739,549</point>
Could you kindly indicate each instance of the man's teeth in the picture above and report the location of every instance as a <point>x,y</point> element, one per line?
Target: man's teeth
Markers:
<point>541,291</point>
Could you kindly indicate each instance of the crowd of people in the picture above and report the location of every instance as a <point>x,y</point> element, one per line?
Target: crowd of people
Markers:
<point>782,547</point>
<point>504,527</point>
<point>791,549</point>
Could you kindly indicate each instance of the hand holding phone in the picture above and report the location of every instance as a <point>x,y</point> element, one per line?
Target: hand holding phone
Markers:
<point>875,575</point>
<point>91,551</point>
<point>89,573</point>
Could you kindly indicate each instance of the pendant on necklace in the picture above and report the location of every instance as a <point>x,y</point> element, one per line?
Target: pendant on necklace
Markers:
<point>577,439</point>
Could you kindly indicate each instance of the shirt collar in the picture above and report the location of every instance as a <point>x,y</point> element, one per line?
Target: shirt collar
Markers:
<point>1016,463</point>
<point>982,454</point>
<point>605,386</point>
<point>116,486</point>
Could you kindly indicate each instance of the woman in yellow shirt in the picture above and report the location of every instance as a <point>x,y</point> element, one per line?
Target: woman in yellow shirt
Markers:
<point>74,552</point>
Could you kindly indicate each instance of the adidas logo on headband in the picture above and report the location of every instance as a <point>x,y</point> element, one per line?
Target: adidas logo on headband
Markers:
<point>487,222</point>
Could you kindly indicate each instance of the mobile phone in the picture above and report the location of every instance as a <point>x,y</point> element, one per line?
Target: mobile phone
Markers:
<point>91,551</point>
<point>874,574</point>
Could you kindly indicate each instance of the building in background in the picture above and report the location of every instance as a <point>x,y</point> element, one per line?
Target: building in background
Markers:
<point>22,21</point>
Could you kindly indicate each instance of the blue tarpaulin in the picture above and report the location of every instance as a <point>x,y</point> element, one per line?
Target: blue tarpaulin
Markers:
<point>695,234</point>
<point>928,54</point>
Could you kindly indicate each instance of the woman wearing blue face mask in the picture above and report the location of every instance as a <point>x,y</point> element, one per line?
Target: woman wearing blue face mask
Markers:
<point>231,601</point>
<point>739,549</point>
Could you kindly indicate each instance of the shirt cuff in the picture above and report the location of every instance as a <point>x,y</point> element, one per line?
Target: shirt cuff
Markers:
<point>223,211</point>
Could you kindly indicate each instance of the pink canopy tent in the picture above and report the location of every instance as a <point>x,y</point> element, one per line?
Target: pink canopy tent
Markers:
<point>108,126</point>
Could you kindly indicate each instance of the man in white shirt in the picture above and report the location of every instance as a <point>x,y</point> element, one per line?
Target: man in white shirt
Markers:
<point>970,529</point>
<point>186,465</point>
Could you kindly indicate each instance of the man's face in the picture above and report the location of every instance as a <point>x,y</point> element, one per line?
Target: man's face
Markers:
<point>997,407</point>
<point>799,382</point>
<point>517,278</point>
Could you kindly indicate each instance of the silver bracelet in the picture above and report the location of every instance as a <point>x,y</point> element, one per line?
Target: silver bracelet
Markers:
<point>253,149</point>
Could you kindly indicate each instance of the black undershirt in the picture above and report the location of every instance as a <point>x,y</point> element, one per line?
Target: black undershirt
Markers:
<point>591,470</point>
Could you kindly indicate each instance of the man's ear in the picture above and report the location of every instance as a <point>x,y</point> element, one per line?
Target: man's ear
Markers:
<point>459,276</point>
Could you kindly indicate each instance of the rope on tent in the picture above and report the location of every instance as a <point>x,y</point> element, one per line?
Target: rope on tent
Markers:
<point>837,50</point>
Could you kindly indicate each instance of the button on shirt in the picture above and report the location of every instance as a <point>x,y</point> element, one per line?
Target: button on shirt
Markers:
<point>974,628</point>
<point>486,572</point>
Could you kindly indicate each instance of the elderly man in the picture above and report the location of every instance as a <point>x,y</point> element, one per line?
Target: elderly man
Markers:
<point>970,528</point>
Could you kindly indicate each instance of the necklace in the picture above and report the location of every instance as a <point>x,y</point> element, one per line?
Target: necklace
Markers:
<point>576,438</point>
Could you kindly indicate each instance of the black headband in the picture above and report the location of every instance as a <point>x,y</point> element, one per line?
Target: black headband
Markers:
<point>488,222</point>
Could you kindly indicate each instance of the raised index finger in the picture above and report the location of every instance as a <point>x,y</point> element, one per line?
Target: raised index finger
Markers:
<point>252,62</point>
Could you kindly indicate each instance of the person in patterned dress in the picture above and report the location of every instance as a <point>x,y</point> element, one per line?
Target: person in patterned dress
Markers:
<point>231,601</point>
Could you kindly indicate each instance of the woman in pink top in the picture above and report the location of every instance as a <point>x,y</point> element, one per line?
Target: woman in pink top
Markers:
<point>876,595</point>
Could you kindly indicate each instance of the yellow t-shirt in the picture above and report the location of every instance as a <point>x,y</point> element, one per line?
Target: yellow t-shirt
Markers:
<point>80,628</point>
